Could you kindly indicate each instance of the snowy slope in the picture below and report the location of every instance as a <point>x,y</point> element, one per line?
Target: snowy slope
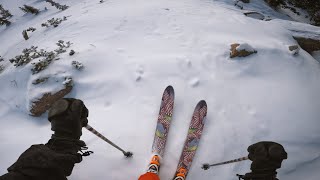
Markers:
<point>133,49</point>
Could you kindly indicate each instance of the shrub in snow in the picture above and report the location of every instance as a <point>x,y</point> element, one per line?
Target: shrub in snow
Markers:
<point>1,59</point>
<point>241,50</point>
<point>1,68</point>
<point>43,63</point>
<point>40,80</point>
<point>316,18</point>
<point>311,6</point>
<point>53,22</point>
<point>72,52</point>
<point>29,9</point>
<point>25,34</point>
<point>77,65</point>
<point>62,47</point>
<point>4,16</point>
<point>68,82</point>
<point>57,5</point>
<point>27,55</point>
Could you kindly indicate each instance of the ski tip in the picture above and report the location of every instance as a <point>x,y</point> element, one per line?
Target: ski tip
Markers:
<point>169,88</point>
<point>202,103</point>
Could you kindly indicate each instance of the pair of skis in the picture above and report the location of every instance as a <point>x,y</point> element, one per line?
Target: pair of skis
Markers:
<point>193,136</point>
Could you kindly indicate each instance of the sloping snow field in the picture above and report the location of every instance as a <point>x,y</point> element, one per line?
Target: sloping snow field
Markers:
<point>133,49</point>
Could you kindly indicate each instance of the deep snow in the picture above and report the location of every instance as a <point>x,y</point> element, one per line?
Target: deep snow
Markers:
<point>133,49</point>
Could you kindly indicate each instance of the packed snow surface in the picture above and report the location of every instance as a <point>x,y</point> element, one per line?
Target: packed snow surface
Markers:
<point>132,49</point>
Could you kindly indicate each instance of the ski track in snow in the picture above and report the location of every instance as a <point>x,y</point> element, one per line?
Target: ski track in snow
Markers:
<point>133,49</point>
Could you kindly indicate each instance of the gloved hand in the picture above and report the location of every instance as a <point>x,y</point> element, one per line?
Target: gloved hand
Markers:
<point>266,156</point>
<point>67,117</point>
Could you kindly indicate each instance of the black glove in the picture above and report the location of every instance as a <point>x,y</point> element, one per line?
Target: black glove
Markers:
<point>266,155</point>
<point>67,117</point>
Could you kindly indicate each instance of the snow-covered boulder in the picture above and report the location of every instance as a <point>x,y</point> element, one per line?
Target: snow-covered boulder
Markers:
<point>241,50</point>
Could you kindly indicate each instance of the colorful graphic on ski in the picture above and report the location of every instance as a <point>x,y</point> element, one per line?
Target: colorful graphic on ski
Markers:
<point>192,141</point>
<point>164,120</point>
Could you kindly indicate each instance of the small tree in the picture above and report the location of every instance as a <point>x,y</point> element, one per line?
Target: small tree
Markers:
<point>53,22</point>
<point>29,9</point>
<point>4,16</point>
<point>57,5</point>
<point>25,34</point>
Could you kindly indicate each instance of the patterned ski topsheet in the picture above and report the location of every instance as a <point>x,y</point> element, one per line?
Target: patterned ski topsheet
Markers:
<point>193,137</point>
<point>164,120</point>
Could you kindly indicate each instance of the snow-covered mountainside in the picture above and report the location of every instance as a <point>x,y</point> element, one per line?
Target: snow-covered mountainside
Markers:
<point>132,49</point>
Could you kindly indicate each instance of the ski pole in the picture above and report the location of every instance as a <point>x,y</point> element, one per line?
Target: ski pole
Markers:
<point>207,166</point>
<point>91,129</point>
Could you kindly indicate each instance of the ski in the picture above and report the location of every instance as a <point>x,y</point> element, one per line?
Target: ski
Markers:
<point>164,121</point>
<point>192,141</point>
<point>162,129</point>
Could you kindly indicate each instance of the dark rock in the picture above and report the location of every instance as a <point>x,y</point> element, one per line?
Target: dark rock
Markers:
<point>308,44</point>
<point>294,49</point>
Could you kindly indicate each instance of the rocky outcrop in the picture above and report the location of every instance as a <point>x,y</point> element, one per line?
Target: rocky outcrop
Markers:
<point>241,50</point>
<point>308,44</point>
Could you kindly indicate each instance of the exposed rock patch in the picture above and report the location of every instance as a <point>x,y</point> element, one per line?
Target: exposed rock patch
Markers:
<point>294,49</point>
<point>308,44</point>
<point>241,50</point>
<point>254,15</point>
<point>41,105</point>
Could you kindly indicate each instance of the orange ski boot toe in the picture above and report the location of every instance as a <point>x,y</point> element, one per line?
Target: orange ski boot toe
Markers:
<point>181,174</point>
